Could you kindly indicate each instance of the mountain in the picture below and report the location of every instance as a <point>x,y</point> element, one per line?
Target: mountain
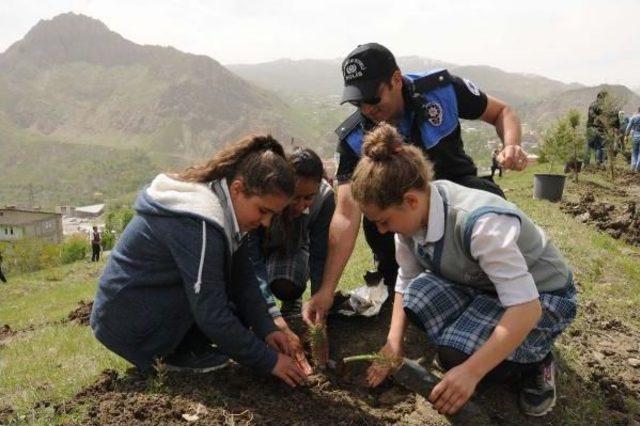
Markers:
<point>548,109</point>
<point>73,79</point>
<point>71,82</point>
<point>294,77</point>
<point>538,100</point>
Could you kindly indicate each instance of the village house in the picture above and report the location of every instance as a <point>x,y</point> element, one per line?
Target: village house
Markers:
<point>17,223</point>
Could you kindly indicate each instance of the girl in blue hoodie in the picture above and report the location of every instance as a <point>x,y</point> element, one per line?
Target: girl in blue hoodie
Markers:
<point>179,285</point>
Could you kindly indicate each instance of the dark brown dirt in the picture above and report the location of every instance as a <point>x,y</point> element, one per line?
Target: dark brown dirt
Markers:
<point>237,396</point>
<point>81,314</point>
<point>621,221</point>
<point>6,334</point>
<point>610,351</point>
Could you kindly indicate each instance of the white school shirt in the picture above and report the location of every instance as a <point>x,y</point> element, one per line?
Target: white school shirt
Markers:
<point>493,245</point>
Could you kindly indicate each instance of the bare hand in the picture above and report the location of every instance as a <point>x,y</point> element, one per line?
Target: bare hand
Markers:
<point>513,157</point>
<point>378,372</point>
<point>454,390</point>
<point>287,370</point>
<point>279,341</point>
<point>315,310</point>
<point>296,349</point>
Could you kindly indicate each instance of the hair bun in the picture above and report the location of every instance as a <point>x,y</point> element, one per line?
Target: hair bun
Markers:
<point>382,143</point>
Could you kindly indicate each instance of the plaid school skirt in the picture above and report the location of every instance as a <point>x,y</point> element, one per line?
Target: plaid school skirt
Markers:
<point>463,318</point>
<point>291,266</point>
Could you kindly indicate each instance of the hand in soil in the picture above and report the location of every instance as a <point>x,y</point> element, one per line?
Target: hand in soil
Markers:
<point>287,370</point>
<point>380,370</point>
<point>454,390</point>
<point>296,348</point>
<point>513,157</point>
<point>279,341</point>
<point>314,312</point>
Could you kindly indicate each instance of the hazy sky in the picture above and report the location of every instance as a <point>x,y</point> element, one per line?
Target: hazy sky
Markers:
<point>587,41</point>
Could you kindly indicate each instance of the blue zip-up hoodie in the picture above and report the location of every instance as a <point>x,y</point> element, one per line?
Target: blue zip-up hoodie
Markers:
<point>178,263</point>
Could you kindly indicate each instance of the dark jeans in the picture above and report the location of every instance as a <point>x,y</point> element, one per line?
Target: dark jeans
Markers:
<point>95,252</point>
<point>596,144</point>
<point>382,245</point>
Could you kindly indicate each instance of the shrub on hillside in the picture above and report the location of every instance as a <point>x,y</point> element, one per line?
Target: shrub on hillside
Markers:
<point>30,254</point>
<point>73,249</point>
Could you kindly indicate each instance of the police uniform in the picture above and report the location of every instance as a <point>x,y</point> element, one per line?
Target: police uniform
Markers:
<point>433,104</point>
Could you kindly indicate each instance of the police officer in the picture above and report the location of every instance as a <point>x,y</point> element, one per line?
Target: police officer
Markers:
<point>426,109</point>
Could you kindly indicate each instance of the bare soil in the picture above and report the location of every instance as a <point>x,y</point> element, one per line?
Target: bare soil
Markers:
<point>611,210</point>
<point>82,314</point>
<point>238,396</point>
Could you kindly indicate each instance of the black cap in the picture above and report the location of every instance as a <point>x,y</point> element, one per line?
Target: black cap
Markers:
<point>364,69</point>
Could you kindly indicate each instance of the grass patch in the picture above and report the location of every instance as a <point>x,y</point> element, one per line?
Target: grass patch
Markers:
<point>48,295</point>
<point>50,365</point>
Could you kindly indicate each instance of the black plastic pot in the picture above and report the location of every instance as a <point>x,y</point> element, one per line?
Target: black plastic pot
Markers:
<point>548,187</point>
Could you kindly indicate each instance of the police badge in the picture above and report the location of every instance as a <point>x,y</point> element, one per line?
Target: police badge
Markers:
<point>434,113</point>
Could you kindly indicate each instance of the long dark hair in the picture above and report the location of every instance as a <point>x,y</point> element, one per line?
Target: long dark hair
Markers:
<point>306,164</point>
<point>259,160</point>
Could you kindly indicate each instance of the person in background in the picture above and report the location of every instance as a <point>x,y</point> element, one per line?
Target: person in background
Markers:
<point>96,240</point>
<point>2,277</point>
<point>633,130</point>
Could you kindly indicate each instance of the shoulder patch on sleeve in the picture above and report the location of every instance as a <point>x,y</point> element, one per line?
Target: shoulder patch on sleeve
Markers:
<point>471,86</point>
<point>348,125</point>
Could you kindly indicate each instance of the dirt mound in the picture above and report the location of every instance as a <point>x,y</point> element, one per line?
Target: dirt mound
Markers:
<point>621,221</point>
<point>6,333</point>
<point>82,314</point>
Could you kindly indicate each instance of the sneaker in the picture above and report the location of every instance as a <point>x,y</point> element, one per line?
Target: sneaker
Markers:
<point>291,308</point>
<point>538,391</point>
<point>203,362</point>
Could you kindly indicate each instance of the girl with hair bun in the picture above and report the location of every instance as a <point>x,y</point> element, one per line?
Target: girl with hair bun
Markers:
<point>179,287</point>
<point>475,274</point>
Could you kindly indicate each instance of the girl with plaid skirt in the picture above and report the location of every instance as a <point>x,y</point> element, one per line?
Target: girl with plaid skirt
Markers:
<point>293,249</point>
<point>475,274</point>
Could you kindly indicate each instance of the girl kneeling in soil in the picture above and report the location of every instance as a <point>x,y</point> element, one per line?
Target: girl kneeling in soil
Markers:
<point>475,274</point>
<point>179,284</point>
<point>294,247</point>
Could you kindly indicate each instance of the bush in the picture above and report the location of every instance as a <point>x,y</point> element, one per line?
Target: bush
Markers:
<point>117,219</point>
<point>29,255</point>
<point>73,249</point>
<point>562,142</point>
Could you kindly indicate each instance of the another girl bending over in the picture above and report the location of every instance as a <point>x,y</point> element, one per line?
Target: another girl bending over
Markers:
<point>293,249</point>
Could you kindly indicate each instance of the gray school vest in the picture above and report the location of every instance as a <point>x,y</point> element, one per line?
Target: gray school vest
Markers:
<point>452,255</point>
